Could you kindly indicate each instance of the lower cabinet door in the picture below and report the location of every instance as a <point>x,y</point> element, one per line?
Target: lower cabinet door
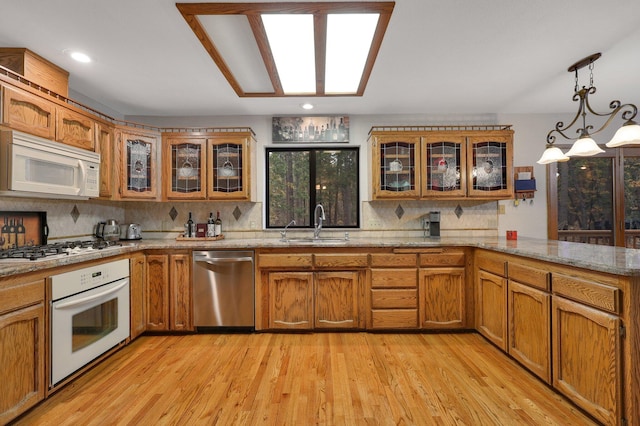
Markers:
<point>442,298</point>
<point>337,296</point>
<point>491,308</point>
<point>530,328</point>
<point>586,358</point>
<point>22,379</point>
<point>290,300</point>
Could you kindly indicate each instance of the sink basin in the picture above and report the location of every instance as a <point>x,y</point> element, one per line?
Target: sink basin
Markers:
<point>315,240</point>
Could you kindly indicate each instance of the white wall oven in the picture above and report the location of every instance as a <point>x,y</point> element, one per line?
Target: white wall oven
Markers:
<point>89,311</point>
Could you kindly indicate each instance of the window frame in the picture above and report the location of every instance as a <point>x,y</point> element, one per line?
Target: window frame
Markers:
<point>312,179</point>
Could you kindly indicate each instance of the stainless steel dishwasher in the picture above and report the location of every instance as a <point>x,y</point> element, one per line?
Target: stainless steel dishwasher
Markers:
<point>223,289</point>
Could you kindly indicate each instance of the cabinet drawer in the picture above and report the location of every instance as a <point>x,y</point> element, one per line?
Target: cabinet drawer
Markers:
<point>394,318</point>
<point>531,276</point>
<point>392,298</point>
<point>285,261</point>
<point>341,260</point>
<point>495,264</point>
<point>20,295</point>
<point>589,292</point>
<point>394,278</point>
<point>442,258</point>
<point>393,260</point>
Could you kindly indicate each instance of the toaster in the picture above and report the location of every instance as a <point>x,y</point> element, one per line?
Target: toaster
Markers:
<point>130,231</point>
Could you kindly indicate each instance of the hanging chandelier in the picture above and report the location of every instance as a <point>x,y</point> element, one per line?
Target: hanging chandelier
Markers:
<point>584,145</point>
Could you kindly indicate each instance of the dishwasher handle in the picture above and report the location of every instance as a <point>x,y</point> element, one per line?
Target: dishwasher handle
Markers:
<point>222,260</point>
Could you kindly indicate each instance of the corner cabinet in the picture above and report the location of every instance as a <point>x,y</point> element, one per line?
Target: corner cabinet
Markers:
<point>136,151</point>
<point>442,162</point>
<point>214,165</point>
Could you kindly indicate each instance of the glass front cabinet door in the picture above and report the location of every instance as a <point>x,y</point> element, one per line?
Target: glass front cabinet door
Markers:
<point>490,173</point>
<point>184,168</point>
<point>228,168</point>
<point>395,169</point>
<point>444,166</point>
<point>138,162</point>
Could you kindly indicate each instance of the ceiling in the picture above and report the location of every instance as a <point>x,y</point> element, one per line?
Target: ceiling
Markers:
<point>437,57</point>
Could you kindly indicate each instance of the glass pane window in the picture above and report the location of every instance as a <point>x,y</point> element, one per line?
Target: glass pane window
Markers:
<point>138,165</point>
<point>227,167</point>
<point>489,170</point>
<point>585,200</point>
<point>300,178</point>
<point>443,166</point>
<point>185,163</point>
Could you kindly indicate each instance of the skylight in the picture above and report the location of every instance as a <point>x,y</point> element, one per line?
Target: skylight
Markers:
<point>291,49</point>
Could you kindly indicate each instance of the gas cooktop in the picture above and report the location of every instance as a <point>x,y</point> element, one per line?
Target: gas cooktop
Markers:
<point>47,251</point>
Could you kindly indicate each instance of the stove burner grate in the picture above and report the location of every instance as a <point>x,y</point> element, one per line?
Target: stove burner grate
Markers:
<point>62,248</point>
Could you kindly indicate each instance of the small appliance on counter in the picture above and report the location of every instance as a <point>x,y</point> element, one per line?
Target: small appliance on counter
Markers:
<point>108,231</point>
<point>130,231</point>
<point>432,225</point>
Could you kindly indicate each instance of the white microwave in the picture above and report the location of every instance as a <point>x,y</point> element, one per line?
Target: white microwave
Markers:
<point>31,166</point>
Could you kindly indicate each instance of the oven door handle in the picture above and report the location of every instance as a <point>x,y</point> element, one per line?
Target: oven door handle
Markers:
<point>88,299</point>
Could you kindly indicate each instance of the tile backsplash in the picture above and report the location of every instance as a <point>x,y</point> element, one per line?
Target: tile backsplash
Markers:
<point>378,218</point>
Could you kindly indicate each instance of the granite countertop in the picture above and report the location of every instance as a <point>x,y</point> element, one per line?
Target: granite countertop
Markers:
<point>608,259</point>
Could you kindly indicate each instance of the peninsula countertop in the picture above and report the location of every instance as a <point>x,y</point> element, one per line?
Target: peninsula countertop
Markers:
<point>614,260</point>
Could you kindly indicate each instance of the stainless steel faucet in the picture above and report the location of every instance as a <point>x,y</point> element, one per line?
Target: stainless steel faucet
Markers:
<point>284,231</point>
<point>318,220</point>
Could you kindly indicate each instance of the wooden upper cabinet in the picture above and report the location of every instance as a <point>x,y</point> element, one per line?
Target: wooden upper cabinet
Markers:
<point>28,113</point>
<point>75,129</point>
<point>444,165</point>
<point>138,163</point>
<point>184,168</point>
<point>421,163</point>
<point>229,168</point>
<point>395,167</point>
<point>490,159</point>
<point>212,165</point>
<point>105,146</point>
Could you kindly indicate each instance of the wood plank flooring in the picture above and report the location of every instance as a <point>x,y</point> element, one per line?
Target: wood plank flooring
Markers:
<point>307,379</point>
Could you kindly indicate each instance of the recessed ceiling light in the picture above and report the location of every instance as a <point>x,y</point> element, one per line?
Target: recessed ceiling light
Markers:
<point>307,106</point>
<point>80,57</point>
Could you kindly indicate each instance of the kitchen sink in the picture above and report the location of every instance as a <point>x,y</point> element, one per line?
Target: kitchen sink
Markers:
<point>318,241</point>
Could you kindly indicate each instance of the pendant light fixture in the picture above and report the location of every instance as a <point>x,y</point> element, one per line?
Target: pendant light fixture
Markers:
<point>584,145</point>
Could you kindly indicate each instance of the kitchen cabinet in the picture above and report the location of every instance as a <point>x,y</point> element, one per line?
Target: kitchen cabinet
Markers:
<point>137,303</point>
<point>396,167</point>
<point>311,291</point>
<point>337,299</point>
<point>442,289</point>
<point>442,162</point>
<point>529,317</point>
<point>214,165</point>
<point>75,129</point>
<point>22,352</point>
<point>393,291</point>
<point>587,345</point>
<point>28,113</point>
<point>105,147</point>
<point>136,153</point>
<point>491,297</point>
<point>184,168</point>
<point>168,292</point>
<point>290,300</point>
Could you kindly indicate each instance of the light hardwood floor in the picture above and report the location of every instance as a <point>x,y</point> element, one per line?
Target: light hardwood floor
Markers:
<point>307,379</point>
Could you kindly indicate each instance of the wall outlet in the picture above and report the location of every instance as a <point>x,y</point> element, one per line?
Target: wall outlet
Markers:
<point>252,224</point>
<point>375,224</point>
<point>501,209</point>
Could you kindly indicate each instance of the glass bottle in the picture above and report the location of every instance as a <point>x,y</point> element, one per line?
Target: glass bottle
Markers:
<point>218,225</point>
<point>21,239</point>
<point>191,227</point>
<point>211,226</point>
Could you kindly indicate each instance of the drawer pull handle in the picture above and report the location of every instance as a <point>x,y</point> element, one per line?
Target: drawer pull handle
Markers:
<point>291,323</point>
<point>336,322</point>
